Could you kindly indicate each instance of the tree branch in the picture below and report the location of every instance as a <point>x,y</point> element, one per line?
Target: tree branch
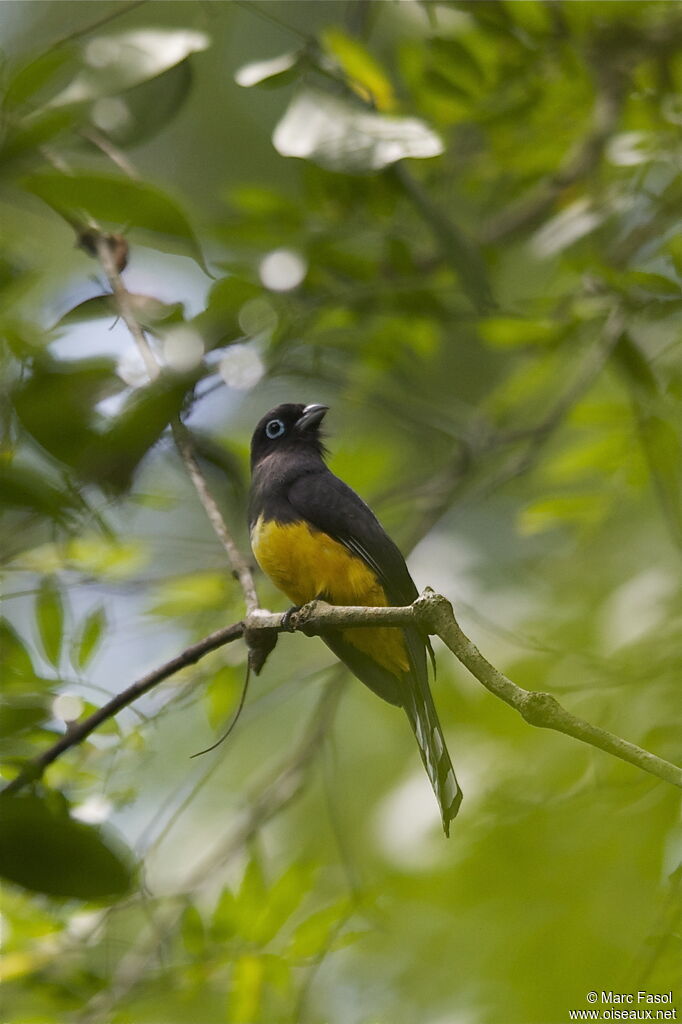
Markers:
<point>431,613</point>
<point>240,566</point>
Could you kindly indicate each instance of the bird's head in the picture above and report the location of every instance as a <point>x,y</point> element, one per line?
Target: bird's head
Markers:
<point>288,428</point>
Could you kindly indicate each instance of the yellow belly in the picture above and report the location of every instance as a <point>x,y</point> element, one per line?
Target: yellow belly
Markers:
<point>305,563</point>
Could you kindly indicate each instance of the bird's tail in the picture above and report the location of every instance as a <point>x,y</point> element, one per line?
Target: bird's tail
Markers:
<point>423,717</point>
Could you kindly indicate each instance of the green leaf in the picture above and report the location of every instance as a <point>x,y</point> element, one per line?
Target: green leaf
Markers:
<point>584,510</point>
<point>654,284</point>
<point>219,323</point>
<point>456,61</point>
<point>142,112</point>
<point>90,637</point>
<point>116,62</point>
<point>74,388</point>
<point>342,136</point>
<point>149,312</point>
<point>118,202</point>
<point>192,931</point>
<point>50,618</point>
<point>513,332</point>
<point>19,714</point>
<point>225,918</point>
<point>144,417</point>
<point>663,449</point>
<point>17,666</point>
<point>27,489</point>
<point>37,75</point>
<point>221,695</point>
<point>360,67</point>
<point>313,936</point>
<point>43,849</point>
<point>284,896</point>
<point>251,898</point>
<point>22,140</point>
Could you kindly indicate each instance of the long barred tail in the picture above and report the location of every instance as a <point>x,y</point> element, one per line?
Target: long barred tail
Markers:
<point>423,717</point>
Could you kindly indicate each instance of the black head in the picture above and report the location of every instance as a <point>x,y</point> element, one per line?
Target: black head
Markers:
<point>288,428</point>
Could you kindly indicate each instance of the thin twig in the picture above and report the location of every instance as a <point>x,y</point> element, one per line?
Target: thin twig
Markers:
<point>240,566</point>
<point>124,304</point>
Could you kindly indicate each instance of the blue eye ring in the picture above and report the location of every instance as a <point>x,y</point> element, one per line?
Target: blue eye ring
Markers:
<point>274,429</point>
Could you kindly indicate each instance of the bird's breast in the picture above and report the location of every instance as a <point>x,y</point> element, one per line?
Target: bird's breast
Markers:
<point>306,563</point>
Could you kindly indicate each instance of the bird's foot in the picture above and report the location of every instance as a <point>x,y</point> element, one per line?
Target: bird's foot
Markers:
<point>288,615</point>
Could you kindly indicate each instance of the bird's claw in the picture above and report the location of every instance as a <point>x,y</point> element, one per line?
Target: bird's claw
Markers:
<point>288,616</point>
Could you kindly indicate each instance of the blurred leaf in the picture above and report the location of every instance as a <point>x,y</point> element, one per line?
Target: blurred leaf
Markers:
<point>110,559</point>
<point>197,591</point>
<point>50,618</point>
<point>636,368</point>
<point>17,666</point>
<point>26,488</point>
<point>338,135</point>
<point>119,61</point>
<point>229,463</point>
<point>224,921</point>
<point>43,849</point>
<point>219,323</point>
<point>361,68</point>
<point>149,312</point>
<point>118,201</point>
<point>660,438</point>
<point>221,695</point>
<point>37,76</point>
<point>192,931</point>
<point>582,510</point>
<point>18,714</point>
<point>456,60</point>
<point>313,936</point>
<point>137,428</point>
<point>251,897</point>
<point>663,448</point>
<point>138,114</point>
<point>654,284</point>
<point>74,389</point>
<point>90,637</point>
<point>273,72</point>
<point>284,897</point>
<point>248,976</point>
<point>510,332</point>
<point>22,140</point>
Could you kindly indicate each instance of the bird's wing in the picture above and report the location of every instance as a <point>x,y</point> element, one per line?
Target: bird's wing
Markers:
<point>331,506</point>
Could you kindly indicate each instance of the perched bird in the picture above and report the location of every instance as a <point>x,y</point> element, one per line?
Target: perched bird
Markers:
<point>315,538</point>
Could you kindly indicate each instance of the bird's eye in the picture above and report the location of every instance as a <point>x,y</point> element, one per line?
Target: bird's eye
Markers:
<point>274,428</point>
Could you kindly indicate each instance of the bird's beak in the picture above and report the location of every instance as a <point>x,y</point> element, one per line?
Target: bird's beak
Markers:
<point>312,417</point>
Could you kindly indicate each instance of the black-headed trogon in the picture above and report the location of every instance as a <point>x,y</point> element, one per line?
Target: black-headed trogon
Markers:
<point>315,538</point>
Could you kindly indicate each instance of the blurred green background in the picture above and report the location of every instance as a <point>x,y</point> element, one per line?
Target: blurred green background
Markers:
<point>458,225</point>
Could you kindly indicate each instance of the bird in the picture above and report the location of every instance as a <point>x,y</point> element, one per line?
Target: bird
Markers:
<point>316,539</point>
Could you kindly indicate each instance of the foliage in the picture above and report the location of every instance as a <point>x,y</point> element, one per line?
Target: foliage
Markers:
<point>458,225</point>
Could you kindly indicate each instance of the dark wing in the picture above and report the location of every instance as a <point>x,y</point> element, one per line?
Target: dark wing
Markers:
<point>334,508</point>
<point>331,506</point>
